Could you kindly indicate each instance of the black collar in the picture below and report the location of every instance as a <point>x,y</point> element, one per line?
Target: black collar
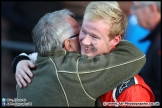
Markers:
<point>153,33</point>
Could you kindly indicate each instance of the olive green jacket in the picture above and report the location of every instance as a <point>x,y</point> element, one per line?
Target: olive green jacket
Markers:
<point>69,79</point>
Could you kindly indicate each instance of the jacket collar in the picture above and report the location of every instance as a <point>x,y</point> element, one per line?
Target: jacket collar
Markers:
<point>54,53</point>
<point>153,33</point>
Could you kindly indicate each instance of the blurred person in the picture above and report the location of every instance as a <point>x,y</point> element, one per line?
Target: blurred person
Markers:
<point>149,16</point>
<point>134,33</point>
<point>89,41</point>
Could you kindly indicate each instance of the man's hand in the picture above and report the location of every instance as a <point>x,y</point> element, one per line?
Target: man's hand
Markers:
<point>23,72</point>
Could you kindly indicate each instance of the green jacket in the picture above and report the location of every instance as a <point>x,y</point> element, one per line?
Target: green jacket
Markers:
<point>69,79</point>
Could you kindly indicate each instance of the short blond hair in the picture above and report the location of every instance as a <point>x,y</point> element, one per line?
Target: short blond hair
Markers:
<point>111,13</point>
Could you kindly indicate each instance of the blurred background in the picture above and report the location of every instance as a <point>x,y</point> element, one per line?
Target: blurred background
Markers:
<point>17,21</point>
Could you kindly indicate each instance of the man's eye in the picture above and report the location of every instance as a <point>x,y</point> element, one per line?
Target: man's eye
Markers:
<point>95,37</point>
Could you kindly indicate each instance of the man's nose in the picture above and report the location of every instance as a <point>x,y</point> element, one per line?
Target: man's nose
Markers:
<point>86,40</point>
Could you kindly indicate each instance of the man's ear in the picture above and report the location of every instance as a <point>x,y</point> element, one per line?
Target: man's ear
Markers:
<point>116,40</point>
<point>67,45</point>
<point>153,9</point>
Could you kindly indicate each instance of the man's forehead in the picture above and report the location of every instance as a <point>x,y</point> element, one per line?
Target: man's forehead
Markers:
<point>71,20</point>
<point>90,30</point>
<point>95,28</point>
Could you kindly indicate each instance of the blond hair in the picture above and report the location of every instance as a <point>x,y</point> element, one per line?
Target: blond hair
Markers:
<point>111,13</point>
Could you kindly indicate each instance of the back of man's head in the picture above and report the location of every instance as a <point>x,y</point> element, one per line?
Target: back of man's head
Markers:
<point>148,13</point>
<point>51,31</point>
<point>111,13</point>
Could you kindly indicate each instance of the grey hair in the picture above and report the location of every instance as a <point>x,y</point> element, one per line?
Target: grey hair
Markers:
<point>157,3</point>
<point>51,31</point>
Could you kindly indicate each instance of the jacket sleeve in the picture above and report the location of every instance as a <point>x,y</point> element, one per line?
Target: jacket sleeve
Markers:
<point>103,73</point>
<point>23,56</point>
<point>17,59</point>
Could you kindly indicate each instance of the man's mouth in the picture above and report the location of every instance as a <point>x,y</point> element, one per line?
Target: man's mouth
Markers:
<point>88,49</point>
